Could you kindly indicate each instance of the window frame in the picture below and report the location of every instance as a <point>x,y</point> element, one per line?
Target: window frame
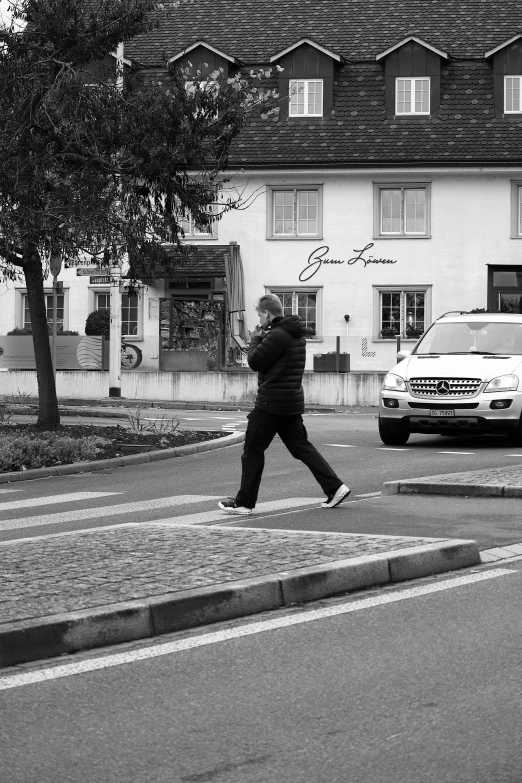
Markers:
<point>513,76</point>
<point>378,290</point>
<point>412,112</point>
<point>270,208</point>
<point>93,296</point>
<point>516,209</point>
<point>291,93</point>
<point>192,233</point>
<point>378,188</point>
<point>20,306</point>
<point>304,289</point>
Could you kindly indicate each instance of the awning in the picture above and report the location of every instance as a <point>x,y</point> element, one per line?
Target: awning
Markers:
<point>206,260</point>
<point>236,297</point>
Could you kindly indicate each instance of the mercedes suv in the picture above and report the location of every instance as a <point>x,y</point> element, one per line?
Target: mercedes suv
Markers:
<point>463,376</point>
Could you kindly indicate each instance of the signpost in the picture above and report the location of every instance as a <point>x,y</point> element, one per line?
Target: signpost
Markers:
<point>55,265</point>
<point>115,338</point>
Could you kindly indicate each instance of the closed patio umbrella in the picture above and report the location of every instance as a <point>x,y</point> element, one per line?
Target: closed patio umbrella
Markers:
<point>236,296</point>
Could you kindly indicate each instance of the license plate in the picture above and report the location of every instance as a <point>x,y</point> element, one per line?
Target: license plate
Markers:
<point>442,413</point>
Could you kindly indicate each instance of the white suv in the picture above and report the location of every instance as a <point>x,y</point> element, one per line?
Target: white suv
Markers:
<point>463,376</point>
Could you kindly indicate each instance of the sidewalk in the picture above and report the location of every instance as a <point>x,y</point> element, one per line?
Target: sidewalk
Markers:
<point>492,482</point>
<point>73,591</point>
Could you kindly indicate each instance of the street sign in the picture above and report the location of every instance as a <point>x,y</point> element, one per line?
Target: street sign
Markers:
<point>55,264</point>
<point>105,279</point>
<point>86,271</point>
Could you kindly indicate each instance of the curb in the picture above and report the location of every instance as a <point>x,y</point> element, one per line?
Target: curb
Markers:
<point>119,462</point>
<point>49,637</point>
<point>110,413</point>
<point>412,487</point>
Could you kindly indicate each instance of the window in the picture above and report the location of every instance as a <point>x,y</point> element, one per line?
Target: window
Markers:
<point>130,311</point>
<point>49,307</point>
<point>294,213</point>
<point>102,301</point>
<point>516,209</point>
<point>190,229</point>
<point>412,96</point>
<point>303,302</point>
<point>401,311</point>
<point>402,211</point>
<point>512,87</point>
<point>306,98</point>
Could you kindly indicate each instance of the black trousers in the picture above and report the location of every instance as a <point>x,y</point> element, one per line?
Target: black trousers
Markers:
<point>261,430</point>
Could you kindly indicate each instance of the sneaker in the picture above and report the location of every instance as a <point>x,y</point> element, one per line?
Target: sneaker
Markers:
<point>229,507</point>
<point>336,497</point>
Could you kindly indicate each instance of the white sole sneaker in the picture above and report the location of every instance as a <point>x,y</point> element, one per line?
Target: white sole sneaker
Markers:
<point>240,510</point>
<point>341,494</point>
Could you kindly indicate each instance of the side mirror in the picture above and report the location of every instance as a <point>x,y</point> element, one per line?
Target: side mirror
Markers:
<point>402,355</point>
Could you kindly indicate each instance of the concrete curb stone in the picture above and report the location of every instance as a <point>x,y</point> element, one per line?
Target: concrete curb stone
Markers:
<point>21,642</point>
<point>131,459</point>
<point>426,487</point>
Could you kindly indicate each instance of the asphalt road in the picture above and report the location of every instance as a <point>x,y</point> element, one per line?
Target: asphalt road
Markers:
<point>348,440</point>
<point>414,683</point>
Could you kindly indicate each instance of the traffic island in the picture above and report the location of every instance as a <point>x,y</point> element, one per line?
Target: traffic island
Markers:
<point>118,584</point>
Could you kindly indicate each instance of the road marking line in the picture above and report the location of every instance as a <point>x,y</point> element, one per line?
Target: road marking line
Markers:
<point>5,490</point>
<point>103,511</point>
<point>369,495</point>
<point>456,452</point>
<point>386,448</point>
<point>513,455</point>
<point>340,445</point>
<point>248,629</point>
<point>203,517</point>
<point>72,497</point>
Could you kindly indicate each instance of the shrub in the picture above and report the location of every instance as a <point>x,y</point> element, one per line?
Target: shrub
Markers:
<point>37,450</point>
<point>98,322</point>
<point>28,331</point>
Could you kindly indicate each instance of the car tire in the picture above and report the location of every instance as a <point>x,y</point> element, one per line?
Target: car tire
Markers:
<point>393,434</point>
<point>515,435</point>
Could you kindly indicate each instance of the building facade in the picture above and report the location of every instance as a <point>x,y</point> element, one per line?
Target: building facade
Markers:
<point>386,191</point>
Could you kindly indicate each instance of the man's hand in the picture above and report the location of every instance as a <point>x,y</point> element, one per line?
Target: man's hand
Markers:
<point>257,332</point>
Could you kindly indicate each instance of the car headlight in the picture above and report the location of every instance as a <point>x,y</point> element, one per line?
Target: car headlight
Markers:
<point>502,383</point>
<point>394,382</point>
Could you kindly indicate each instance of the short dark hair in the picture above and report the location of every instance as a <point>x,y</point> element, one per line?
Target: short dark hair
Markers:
<point>272,303</point>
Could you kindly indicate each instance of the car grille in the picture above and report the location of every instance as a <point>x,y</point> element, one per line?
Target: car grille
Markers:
<point>458,387</point>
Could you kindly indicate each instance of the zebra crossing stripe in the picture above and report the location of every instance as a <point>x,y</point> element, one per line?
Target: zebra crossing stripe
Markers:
<point>204,517</point>
<point>79,515</point>
<point>72,497</point>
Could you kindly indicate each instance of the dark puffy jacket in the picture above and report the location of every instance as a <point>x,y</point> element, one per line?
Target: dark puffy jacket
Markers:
<point>279,358</point>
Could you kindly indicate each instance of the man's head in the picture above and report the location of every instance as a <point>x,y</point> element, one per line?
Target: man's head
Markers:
<point>268,307</point>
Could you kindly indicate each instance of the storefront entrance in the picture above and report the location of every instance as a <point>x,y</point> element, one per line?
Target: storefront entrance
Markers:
<point>505,288</point>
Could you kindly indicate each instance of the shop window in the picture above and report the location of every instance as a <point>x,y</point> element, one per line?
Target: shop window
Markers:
<point>306,98</point>
<point>412,96</point>
<point>294,213</point>
<point>303,302</point>
<point>401,311</point>
<point>60,313</point>
<point>402,211</point>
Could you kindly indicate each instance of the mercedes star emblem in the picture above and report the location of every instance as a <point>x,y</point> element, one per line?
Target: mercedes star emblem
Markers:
<point>442,387</point>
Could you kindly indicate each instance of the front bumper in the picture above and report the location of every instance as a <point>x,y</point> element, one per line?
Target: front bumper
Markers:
<point>469,415</point>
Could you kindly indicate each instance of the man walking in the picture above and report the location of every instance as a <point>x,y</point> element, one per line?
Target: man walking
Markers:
<point>277,351</point>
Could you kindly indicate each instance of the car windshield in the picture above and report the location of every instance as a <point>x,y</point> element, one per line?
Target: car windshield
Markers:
<point>484,337</point>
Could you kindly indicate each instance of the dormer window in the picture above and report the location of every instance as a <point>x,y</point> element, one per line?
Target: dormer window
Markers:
<point>412,70</point>
<point>412,96</point>
<point>507,78</point>
<point>306,98</point>
<point>512,88</point>
<point>306,74</point>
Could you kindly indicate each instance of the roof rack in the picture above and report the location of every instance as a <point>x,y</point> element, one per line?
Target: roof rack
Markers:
<point>453,312</point>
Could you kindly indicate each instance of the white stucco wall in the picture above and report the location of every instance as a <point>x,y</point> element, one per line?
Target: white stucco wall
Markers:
<point>470,228</point>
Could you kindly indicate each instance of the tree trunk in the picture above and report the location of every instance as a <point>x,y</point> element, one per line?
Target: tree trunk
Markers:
<point>48,416</point>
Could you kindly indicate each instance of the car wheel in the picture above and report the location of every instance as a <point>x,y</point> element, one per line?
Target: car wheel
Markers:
<point>393,434</point>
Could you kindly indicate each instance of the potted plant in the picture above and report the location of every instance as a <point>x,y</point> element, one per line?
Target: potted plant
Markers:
<point>389,333</point>
<point>327,362</point>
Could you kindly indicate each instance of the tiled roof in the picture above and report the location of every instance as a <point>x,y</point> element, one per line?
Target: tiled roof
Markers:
<point>356,29</point>
<point>202,260</point>
<point>359,134</point>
